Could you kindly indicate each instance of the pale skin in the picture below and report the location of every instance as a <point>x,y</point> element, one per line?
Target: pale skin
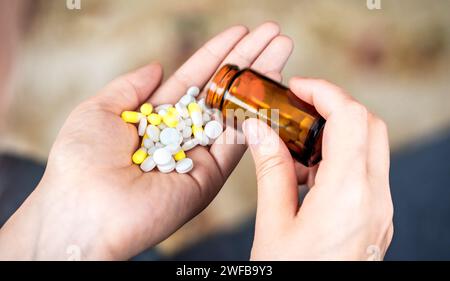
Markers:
<point>92,196</point>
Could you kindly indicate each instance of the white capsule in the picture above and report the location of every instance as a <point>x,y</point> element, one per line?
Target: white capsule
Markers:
<point>162,126</point>
<point>213,129</point>
<point>148,164</point>
<point>201,102</point>
<point>190,144</point>
<point>162,156</point>
<point>202,138</point>
<point>162,112</point>
<point>148,143</point>
<point>184,166</point>
<point>193,91</point>
<point>206,117</point>
<point>187,99</point>
<point>167,168</point>
<point>182,110</point>
<point>169,135</point>
<point>197,118</point>
<point>181,125</point>
<point>142,126</point>
<point>153,133</point>
<point>187,132</point>
<point>188,122</point>
<point>152,150</point>
<point>163,106</point>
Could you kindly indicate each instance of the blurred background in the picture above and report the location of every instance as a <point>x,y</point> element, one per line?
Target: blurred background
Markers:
<point>394,59</point>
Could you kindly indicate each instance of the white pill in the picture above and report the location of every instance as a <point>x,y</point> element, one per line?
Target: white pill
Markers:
<point>213,129</point>
<point>162,156</point>
<point>167,168</point>
<point>153,133</point>
<point>142,126</point>
<point>180,125</point>
<point>190,144</point>
<point>159,145</point>
<point>162,126</point>
<point>169,135</point>
<point>152,150</point>
<point>184,166</point>
<point>187,99</point>
<point>206,117</point>
<point>201,102</point>
<point>197,118</point>
<point>202,138</point>
<point>148,164</point>
<point>148,143</point>
<point>163,106</point>
<point>193,91</point>
<point>188,122</point>
<point>187,132</point>
<point>173,148</point>
<point>182,110</point>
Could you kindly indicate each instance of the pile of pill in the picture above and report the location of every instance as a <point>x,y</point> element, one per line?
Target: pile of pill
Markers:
<point>168,131</point>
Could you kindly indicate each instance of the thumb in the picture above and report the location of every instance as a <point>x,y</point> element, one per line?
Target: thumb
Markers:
<point>275,171</point>
<point>130,90</point>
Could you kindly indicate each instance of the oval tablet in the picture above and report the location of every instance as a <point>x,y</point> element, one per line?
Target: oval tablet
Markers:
<point>184,166</point>
<point>162,156</point>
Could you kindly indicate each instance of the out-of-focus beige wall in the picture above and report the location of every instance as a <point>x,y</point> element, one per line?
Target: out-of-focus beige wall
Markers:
<point>395,60</point>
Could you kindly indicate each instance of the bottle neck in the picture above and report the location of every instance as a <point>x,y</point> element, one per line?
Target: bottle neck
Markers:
<point>220,84</point>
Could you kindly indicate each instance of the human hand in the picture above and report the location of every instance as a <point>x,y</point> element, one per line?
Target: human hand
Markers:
<point>93,196</point>
<point>347,213</point>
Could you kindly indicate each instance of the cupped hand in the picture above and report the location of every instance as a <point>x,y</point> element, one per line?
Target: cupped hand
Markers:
<point>93,197</point>
<point>347,213</point>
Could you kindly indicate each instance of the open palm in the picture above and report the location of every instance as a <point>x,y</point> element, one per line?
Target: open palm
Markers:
<point>90,161</point>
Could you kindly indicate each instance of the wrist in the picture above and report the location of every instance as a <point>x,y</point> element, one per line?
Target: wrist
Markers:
<point>49,226</point>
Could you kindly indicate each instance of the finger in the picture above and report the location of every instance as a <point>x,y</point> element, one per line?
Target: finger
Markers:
<point>280,48</point>
<point>345,136</point>
<point>277,183</point>
<point>251,46</point>
<point>200,67</point>
<point>378,152</point>
<point>270,62</point>
<point>130,90</point>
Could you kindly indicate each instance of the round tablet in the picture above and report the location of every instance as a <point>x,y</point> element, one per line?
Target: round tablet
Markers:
<point>148,143</point>
<point>148,164</point>
<point>167,168</point>
<point>193,91</point>
<point>213,129</point>
<point>162,156</point>
<point>184,166</point>
<point>169,135</point>
<point>187,132</point>
<point>190,144</point>
<point>173,148</point>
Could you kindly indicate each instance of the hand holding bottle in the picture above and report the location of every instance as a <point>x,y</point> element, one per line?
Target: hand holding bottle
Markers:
<point>347,213</point>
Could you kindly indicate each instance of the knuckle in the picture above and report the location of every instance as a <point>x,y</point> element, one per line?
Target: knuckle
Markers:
<point>268,165</point>
<point>357,111</point>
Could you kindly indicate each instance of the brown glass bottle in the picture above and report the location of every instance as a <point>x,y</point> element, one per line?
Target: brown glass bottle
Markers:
<point>300,126</point>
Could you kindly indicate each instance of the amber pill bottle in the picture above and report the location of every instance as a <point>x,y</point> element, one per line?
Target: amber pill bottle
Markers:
<point>299,125</point>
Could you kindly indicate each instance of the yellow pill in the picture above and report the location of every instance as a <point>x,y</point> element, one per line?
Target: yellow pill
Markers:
<point>173,111</point>
<point>306,123</point>
<point>196,130</point>
<point>131,116</point>
<point>170,120</point>
<point>144,138</point>
<point>154,119</point>
<point>180,155</point>
<point>139,156</point>
<point>194,107</point>
<point>146,109</point>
